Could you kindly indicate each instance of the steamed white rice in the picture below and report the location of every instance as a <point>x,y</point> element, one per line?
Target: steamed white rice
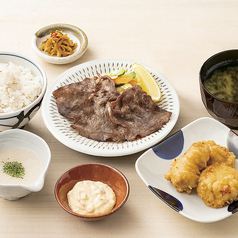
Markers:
<point>18,87</point>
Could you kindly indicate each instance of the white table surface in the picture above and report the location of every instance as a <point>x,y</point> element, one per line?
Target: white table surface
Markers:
<point>173,37</point>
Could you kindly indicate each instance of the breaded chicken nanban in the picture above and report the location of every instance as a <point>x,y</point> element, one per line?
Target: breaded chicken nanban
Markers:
<point>220,154</point>
<point>185,170</point>
<point>218,185</point>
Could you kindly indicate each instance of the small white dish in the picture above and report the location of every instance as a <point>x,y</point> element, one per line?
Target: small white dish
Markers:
<point>73,32</point>
<point>18,138</point>
<point>155,162</point>
<point>60,128</point>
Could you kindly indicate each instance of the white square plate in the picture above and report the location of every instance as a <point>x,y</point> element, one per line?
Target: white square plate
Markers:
<point>155,162</point>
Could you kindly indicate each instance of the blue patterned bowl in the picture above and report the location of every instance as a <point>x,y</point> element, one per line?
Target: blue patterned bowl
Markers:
<point>19,118</point>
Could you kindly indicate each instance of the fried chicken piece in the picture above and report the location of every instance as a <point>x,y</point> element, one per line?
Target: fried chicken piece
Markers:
<point>185,170</point>
<point>218,185</point>
<point>220,154</point>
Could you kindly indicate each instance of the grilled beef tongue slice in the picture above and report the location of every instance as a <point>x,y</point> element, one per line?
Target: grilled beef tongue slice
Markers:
<point>70,98</point>
<point>138,113</point>
<point>101,114</point>
<point>87,102</point>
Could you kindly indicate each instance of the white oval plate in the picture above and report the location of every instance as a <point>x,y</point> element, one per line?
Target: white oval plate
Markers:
<point>155,162</point>
<point>60,128</point>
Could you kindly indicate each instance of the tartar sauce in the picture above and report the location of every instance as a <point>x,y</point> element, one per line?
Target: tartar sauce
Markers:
<point>91,198</point>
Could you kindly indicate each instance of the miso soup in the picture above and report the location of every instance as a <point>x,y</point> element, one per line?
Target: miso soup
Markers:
<point>223,83</point>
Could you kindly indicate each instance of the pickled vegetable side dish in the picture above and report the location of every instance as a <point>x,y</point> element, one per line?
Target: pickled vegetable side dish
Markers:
<point>223,83</point>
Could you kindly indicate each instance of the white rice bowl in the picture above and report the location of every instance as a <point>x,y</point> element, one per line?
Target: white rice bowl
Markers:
<point>18,87</point>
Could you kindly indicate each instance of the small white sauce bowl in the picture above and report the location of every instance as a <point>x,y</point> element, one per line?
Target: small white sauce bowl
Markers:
<point>23,139</point>
<point>73,32</point>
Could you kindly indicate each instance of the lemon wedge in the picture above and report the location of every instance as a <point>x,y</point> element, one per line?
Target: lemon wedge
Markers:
<point>147,82</point>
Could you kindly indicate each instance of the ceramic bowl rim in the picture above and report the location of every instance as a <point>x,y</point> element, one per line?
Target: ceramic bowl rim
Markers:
<point>97,216</point>
<point>201,80</point>
<point>44,82</point>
